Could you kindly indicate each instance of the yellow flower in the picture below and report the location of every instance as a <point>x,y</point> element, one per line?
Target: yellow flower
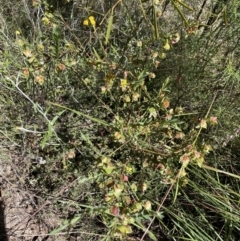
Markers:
<point>92,21</point>
<point>45,20</point>
<point>85,22</point>
<point>123,83</point>
<point>167,45</point>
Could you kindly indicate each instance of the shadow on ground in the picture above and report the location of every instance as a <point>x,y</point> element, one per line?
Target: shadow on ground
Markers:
<point>3,232</point>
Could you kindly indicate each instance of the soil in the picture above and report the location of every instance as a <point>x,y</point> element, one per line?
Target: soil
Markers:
<point>23,214</point>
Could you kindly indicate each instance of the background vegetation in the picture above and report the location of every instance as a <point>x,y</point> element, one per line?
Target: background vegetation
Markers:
<point>124,115</point>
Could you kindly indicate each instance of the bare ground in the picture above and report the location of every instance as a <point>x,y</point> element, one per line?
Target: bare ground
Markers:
<point>24,215</point>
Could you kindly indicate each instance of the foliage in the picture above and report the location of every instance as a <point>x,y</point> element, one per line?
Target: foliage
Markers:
<point>120,102</point>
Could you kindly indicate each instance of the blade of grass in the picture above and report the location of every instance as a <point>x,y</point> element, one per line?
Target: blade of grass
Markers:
<point>185,5</point>
<point>220,171</point>
<point>180,13</point>
<point>79,113</point>
<point>109,28</point>
<point>155,22</point>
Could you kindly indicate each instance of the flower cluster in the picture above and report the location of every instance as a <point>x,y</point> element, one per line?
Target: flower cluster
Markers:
<point>90,21</point>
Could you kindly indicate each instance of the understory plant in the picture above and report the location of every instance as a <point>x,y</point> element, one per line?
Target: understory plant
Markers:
<point>120,117</point>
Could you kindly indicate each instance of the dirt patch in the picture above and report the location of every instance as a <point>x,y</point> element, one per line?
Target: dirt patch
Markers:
<point>30,214</point>
<point>25,215</point>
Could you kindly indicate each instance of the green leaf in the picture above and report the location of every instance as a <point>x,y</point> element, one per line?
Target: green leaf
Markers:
<point>94,148</point>
<point>200,161</point>
<point>97,55</point>
<point>167,45</point>
<point>152,112</point>
<point>50,131</point>
<point>118,190</point>
<point>56,117</point>
<point>124,229</point>
<point>66,224</point>
<point>74,220</point>
<point>108,168</point>
<point>109,28</point>
<point>61,228</point>
<point>47,136</point>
